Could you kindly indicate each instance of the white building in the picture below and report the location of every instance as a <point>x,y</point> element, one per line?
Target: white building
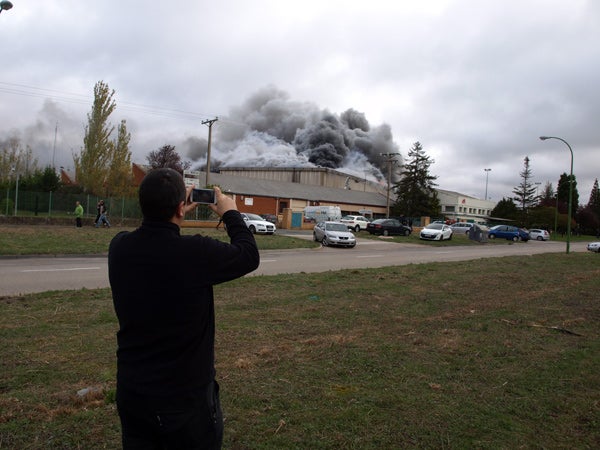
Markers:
<point>464,208</point>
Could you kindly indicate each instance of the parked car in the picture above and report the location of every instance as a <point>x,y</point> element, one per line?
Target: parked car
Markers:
<point>594,247</point>
<point>355,223</point>
<point>388,227</point>
<point>461,227</point>
<point>436,232</point>
<point>270,218</point>
<point>257,224</point>
<point>539,234</point>
<point>333,233</point>
<point>508,232</point>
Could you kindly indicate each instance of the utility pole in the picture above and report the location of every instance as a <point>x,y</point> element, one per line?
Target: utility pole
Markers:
<point>208,122</point>
<point>390,162</point>
<point>54,146</point>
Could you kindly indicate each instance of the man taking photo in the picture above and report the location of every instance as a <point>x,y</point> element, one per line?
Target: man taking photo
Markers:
<point>162,287</point>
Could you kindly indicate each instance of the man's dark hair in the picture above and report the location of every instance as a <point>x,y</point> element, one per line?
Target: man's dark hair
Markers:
<point>160,193</point>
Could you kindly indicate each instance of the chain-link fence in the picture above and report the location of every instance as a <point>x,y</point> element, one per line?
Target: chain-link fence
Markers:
<point>57,204</point>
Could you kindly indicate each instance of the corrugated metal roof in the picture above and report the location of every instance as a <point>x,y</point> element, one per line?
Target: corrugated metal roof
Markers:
<point>280,189</point>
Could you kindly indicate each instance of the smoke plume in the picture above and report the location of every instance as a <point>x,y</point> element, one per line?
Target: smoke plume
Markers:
<point>270,130</point>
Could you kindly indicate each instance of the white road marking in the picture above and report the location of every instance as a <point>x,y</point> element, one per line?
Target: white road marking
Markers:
<point>370,256</point>
<point>268,260</point>
<point>60,270</point>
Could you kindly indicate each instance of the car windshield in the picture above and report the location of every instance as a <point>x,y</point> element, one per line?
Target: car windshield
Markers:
<point>254,216</point>
<point>435,226</point>
<point>336,227</point>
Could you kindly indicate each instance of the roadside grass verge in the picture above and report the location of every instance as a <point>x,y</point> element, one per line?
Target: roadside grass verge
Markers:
<point>17,240</point>
<point>493,353</point>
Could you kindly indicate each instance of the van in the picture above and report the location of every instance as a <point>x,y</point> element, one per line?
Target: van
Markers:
<point>322,213</point>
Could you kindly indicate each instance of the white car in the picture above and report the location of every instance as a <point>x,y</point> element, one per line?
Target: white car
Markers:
<point>539,234</point>
<point>257,224</point>
<point>355,223</point>
<point>594,247</point>
<point>333,233</point>
<point>436,232</point>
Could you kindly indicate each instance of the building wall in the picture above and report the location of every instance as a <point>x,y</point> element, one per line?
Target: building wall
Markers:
<point>256,205</point>
<point>463,208</point>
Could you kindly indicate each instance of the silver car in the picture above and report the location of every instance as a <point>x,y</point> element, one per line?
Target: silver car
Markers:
<point>333,233</point>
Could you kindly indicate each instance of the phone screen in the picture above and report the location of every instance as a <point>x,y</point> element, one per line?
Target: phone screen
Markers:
<point>206,196</point>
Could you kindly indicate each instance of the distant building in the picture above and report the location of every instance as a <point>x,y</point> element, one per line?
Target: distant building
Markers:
<point>464,208</point>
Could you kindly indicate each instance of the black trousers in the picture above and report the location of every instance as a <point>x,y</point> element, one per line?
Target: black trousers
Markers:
<point>193,421</point>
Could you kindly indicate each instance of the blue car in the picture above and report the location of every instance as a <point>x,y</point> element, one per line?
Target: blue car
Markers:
<point>508,232</point>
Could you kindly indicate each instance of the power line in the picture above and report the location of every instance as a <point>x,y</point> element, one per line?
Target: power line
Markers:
<point>82,99</point>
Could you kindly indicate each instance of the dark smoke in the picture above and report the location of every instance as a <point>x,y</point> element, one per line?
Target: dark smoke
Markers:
<point>269,129</point>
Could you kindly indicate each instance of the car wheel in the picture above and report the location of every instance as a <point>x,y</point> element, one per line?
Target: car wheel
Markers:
<point>386,233</point>
<point>492,236</point>
<point>252,229</point>
<point>324,242</point>
<point>450,237</point>
<point>515,238</point>
<point>357,228</point>
<point>406,232</point>
<point>539,238</point>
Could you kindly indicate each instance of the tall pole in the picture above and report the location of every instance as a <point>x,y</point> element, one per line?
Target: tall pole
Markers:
<point>210,124</point>
<point>487,171</point>
<point>390,160</point>
<point>54,146</point>
<point>543,138</point>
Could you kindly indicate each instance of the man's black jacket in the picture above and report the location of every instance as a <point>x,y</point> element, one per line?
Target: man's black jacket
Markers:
<point>162,292</point>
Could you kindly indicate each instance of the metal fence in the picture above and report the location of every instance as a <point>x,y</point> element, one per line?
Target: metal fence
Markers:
<point>57,204</point>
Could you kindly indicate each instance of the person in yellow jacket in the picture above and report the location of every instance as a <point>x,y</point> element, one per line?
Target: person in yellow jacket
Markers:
<point>78,214</point>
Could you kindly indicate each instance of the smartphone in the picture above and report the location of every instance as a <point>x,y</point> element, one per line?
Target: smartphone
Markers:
<point>205,196</point>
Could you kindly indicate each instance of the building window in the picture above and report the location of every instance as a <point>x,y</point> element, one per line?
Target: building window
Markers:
<point>449,208</point>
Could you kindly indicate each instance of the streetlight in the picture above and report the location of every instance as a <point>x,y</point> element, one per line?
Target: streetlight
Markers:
<point>5,5</point>
<point>487,172</point>
<point>543,138</point>
<point>390,160</point>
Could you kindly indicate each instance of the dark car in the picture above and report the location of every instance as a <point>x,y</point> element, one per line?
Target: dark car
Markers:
<point>270,218</point>
<point>388,227</point>
<point>508,232</point>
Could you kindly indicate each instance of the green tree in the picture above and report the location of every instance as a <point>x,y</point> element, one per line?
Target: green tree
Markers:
<point>562,192</point>
<point>548,197</point>
<point>525,191</point>
<point>505,209</point>
<point>120,178</point>
<point>41,180</point>
<point>167,157</point>
<point>415,192</point>
<point>594,201</point>
<point>93,163</point>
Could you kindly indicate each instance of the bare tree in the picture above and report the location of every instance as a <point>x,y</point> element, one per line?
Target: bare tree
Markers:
<point>166,156</point>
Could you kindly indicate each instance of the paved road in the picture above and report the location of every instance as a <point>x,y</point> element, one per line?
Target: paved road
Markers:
<point>38,274</point>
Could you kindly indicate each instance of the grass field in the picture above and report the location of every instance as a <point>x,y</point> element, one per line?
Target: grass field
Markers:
<point>495,353</point>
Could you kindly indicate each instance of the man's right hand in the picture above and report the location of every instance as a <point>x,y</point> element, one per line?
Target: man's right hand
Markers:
<point>224,203</point>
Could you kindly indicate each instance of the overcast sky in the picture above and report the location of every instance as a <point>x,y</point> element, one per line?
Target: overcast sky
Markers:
<point>476,82</point>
